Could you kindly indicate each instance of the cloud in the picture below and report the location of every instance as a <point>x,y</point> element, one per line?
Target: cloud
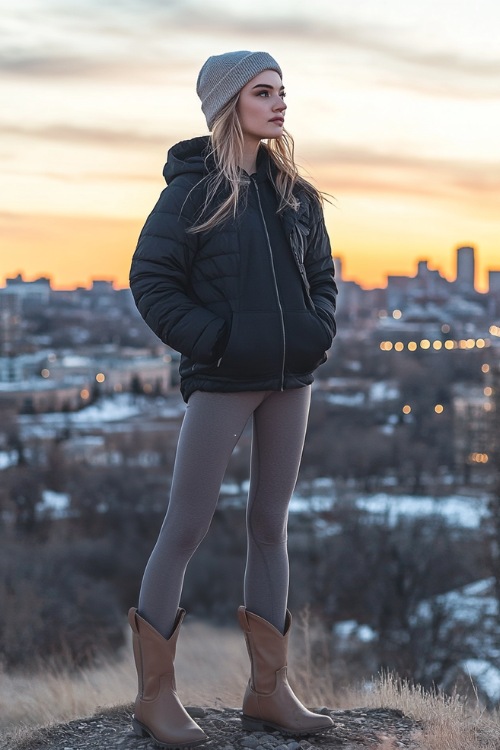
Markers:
<point>143,34</point>
<point>329,33</point>
<point>45,65</point>
<point>345,169</point>
<point>80,39</point>
<point>117,177</point>
<point>445,88</point>
<point>365,172</point>
<point>86,135</point>
<point>448,62</point>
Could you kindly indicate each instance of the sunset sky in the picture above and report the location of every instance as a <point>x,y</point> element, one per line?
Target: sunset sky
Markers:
<point>394,107</point>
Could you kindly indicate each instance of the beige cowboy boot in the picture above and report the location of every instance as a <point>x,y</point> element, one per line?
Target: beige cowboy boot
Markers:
<point>158,711</point>
<point>269,702</point>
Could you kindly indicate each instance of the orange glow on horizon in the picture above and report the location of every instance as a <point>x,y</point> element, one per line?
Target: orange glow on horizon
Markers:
<point>74,250</point>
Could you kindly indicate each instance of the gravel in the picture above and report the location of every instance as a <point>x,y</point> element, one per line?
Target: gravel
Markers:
<point>354,729</point>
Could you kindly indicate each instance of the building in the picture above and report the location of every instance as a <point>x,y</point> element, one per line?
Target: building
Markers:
<point>426,288</point>
<point>465,269</point>
<point>21,367</point>
<point>115,370</point>
<point>10,325</point>
<point>47,381</point>
<point>398,291</point>
<point>32,294</point>
<point>494,283</point>
<point>37,395</point>
<point>474,426</point>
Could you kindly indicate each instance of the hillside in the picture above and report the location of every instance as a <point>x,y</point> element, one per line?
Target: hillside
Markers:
<point>353,730</point>
<point>90,708</point>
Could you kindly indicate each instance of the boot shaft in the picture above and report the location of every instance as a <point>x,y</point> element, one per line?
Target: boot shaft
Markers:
<point>153,654</point>
<point>267,648</point>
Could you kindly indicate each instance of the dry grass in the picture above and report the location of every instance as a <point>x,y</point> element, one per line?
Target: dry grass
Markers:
<point>212,669</point>
<point>206,656</point>
<point>449,723</point>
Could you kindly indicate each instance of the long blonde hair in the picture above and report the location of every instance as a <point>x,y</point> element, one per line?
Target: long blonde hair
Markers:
<point>226,151</point>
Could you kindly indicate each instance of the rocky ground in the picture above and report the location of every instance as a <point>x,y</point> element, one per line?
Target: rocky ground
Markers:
<point>355,729</point>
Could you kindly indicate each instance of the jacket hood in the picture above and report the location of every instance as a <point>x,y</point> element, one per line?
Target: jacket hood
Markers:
<point>192,157</point>
<point>187,157</point>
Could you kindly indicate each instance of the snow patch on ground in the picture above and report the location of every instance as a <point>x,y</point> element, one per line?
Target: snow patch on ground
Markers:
<point>55,503</point>
<point>8,458</point>
<point>486,675</point>
<point>464,512</point>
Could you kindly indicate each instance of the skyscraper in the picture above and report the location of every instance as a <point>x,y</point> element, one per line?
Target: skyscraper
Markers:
<point>494,282</point>
<point>465,268</point>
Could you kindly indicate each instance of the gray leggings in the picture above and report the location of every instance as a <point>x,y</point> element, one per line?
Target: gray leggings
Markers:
<point>211,428</point>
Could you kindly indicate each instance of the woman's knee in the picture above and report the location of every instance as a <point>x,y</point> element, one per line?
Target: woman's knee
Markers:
<point>182,537</point>
<point>267,530</point>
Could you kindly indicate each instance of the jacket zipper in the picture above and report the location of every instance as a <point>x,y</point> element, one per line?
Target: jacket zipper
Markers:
<point>275,283</point>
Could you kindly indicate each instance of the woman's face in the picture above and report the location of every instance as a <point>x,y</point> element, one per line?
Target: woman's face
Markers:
<point>261,107</point>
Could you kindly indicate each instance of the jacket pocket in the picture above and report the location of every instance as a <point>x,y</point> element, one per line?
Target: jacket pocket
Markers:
<point>254,347</point>
<point>307,341</point>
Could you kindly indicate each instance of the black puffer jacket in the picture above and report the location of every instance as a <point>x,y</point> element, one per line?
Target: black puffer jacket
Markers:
<point>250,305</point>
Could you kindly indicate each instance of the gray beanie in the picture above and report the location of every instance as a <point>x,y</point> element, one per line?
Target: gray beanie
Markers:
<point>222,76</point>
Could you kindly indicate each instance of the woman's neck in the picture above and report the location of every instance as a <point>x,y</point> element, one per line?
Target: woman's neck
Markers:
<point>249,157</point>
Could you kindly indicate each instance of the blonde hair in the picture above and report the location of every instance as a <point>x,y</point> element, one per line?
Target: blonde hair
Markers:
<point>226,150</point>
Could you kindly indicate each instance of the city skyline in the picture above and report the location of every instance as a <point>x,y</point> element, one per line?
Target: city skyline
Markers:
<point>455,276</point>
<point>395,111</point>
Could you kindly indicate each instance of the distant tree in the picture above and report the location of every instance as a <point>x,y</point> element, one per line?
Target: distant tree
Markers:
<point>136,386</point>
<point>95,392</point>
<point>379,573</point>
<point>52,610</point>
<point>55,467</point>
<point>15,443</point>
<point>25,494</point>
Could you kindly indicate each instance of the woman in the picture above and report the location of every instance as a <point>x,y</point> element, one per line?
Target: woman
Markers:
<point>233,269</point>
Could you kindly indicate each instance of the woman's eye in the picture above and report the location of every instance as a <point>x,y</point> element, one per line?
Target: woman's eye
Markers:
<point>267,94</point>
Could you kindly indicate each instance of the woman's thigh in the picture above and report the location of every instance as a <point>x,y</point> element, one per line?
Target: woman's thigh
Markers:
<point>279,429</point>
